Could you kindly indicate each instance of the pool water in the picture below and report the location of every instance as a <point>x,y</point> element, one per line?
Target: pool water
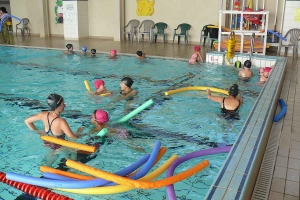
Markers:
<point>184,122</point>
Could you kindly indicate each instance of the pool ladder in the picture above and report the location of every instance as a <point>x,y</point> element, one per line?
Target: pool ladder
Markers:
<point>252,45</point>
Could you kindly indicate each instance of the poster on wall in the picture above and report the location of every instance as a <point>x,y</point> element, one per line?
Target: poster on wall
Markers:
<point>59,14</point>
<point>70,11</point>
<point>145,7</point>
<point>297,15</point>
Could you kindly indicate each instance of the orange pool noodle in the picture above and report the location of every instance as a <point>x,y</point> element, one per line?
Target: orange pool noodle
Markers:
<point>66,143</point>
<point>135,183</point>
<point>64,173</point>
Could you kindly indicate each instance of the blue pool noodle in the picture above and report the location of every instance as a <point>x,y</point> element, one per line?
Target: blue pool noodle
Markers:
<point>2,20</point>
<point>282,112</point>
<point>76,184</point>
<point>278,35</point>
<point>148,164</point>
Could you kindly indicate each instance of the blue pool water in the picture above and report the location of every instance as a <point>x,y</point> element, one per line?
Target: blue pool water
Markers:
<point>184,122</point>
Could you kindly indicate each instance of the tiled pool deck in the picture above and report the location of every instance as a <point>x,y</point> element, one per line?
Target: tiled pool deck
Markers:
<point>284,135</point>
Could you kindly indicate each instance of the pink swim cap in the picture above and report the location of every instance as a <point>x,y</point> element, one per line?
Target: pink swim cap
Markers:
<point>197,48</point>
<point>101,116</point>
<point>113,52</point>
<point>98,83</point>
<point>267,69</point>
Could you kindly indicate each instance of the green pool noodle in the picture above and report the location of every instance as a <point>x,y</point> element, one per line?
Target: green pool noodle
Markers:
<point>102,132</point>
<point>136,111</point>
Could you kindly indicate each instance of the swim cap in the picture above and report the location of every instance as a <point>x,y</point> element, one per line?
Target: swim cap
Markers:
<point>84,48</point>
<point>237,64</point>
<point>234,90</point>
<point>139,53</point>
<point>69,46</point>
<point>101,116</point>
<point>267,69</point>
<point>127,81</point>
<point>113,52</point>
<point>197,48</point>
<point>122,134</point>
<point>93,51</point>
<point>54,101</point>
<point>247,63</point>
<point>98,83</point>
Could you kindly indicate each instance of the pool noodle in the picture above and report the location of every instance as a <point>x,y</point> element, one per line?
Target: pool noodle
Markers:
<point>65,174</point>
<point>136,183</point>
<point>136,111</point>
<point>81,183</point>
<point>282,111</point>
<point>69,144</point>
<point>196,88</point>
<point>87,86</point>
<point>122,188</point>
<point>2,20</point>
<point>278,35</point>
<point>196,154</point>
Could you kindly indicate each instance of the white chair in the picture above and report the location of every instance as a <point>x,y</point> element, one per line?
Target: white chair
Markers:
<point>146,26</point>
<point>132,24</point>
<point>23,26</point>
<point>293,35</point>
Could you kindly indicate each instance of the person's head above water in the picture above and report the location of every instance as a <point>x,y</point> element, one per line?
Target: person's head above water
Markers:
<point>69,46</point>
<point>247,63</point>
<point>139,53</point>
<point>234,90</point>
<point>101,116</point>
<point>127,81</point>
<point>98,83</point>
<point>83,48</point>
<point>54,101</point>
<point>113,52</point>
<point>93,51</point>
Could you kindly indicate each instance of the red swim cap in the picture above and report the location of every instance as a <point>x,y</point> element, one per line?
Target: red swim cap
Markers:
<point>197,48</point>
<point>267,69</point>
<point>98,83</point>
<point>101,116</point>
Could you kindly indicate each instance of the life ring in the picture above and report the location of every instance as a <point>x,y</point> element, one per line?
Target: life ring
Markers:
<point>196,88</point>
<point>87,86</point>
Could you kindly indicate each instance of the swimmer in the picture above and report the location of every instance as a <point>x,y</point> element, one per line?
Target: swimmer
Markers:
<point>100,87</point>
<point>229,105</point>
<point>83,49</point>
<point>112,54</point>
<point>140,55</point>
<point>246,72</point>
<point>126,90</point>
<point>54,126</point>
<point>69,49</point>
<point>264,73</point>
<point>93,52</point>
<point>196,56</point>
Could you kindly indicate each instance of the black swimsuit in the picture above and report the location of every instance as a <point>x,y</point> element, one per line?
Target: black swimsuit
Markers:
<point>230,114</point>
<point>49,132</point>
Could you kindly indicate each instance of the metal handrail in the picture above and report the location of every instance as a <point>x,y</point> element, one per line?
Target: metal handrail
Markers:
<point>252,45</point>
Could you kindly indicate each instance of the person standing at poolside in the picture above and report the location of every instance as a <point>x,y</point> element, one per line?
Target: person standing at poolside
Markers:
<point>54,126</point>
<point>246,71</point>
<point>4,31</point>
<point>229,105</point>
<point>125,86</point>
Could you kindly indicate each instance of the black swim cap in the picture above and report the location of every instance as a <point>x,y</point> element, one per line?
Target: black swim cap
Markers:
<point>139,53</point>
<point>237,64</point>
<point>93,51</point>
<point>127,81</point>
<point>234,90</point>
<point>54,101</point>
<point>247,63</point>
<point>69,46</point>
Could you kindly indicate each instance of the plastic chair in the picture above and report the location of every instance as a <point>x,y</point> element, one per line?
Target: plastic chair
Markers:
<point>23,26</point>
<point>132,24</point>
<point>184,28</point>
<point>161,26</point>
<point>147,25</point>
<point>213,34</point>
<point>293,36</point>
<point>204,33</point>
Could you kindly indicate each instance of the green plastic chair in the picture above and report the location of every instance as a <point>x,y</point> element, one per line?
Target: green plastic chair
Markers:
<point>184,29</point>
<point>161,26</point>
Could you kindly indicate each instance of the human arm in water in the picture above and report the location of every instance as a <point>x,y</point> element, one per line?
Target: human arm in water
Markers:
<point>214,98</point>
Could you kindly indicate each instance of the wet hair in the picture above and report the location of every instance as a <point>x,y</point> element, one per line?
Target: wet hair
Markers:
<point>93,51</point>
<point>54,101</point>
<point>3,9</point>
<point>69,46</point>
<point>234,90</point>
<point>127,81</point>
<point>247,63</point>
<point>139,53</point>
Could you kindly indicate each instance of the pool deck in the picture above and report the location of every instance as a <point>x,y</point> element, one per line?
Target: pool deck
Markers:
<point>286,176</point>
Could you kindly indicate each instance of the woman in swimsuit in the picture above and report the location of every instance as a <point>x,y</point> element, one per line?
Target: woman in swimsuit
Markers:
<point>126,90</point>
<point>53,125</point>
<point>229,105</point>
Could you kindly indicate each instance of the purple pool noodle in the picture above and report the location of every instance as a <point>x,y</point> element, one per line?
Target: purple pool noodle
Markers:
<point>196,154</point>
<point>74,184</point>
<point>147,166</point>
